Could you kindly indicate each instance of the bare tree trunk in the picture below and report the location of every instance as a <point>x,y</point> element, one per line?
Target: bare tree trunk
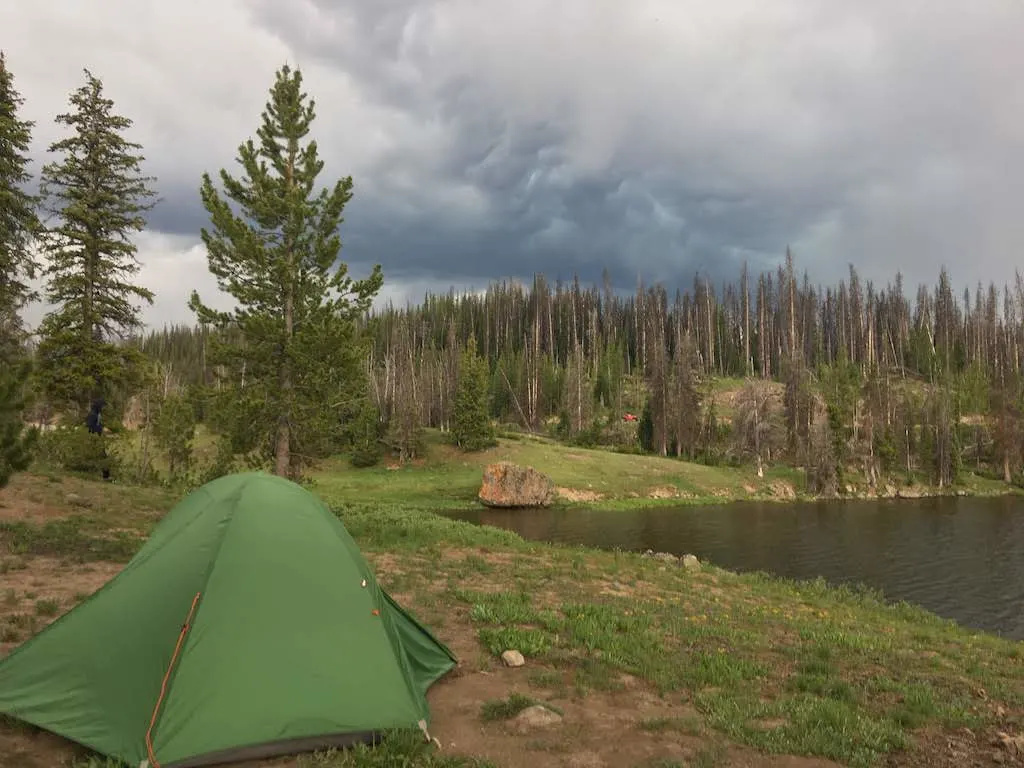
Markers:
<point>748,362</point>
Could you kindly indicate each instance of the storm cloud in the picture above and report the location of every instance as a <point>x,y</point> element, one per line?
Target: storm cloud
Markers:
<point>653,139</point>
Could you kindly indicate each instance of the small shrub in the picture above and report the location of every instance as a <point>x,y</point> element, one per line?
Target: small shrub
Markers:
<point>174,429</point>
<point>75,449</point>
<point>367,431</point>
<point>47,607</point>
<point>223,461</point>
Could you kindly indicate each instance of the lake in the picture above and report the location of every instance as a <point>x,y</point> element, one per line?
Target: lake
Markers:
<point>961,558</point>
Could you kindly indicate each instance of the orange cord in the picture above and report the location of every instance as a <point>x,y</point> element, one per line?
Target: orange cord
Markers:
<point>163,685</point>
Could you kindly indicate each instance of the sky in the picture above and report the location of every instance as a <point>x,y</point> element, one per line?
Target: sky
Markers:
<point>655,139</point>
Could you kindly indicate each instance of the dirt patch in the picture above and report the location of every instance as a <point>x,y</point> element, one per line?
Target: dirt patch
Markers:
<point>598,730</point>
<point>25,747</point>
<point>18,504</point>
<point>961,748</point>
<point>575,494</point>
<point>22,747</point>
<point>45,588</point>
<point>741,758</point>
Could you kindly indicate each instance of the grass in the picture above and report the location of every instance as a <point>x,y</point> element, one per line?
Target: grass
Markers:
<point>505,709</point>
<point>447,478</point>
<point>399,749</point>
<point>77,539</point>
<point>47,607</point>
<point>776,665</point>
<point>834,672</point>
<point>690,726</point>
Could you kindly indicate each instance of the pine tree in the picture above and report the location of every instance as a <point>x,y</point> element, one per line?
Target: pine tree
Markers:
<point>367,448</point>
<point>685,406</point>
<point>301,345</point>
<point>19,223</point>
<point>99,197</point>
<point>16,442</point>
<point>472,429</point>
<point>175,429</point>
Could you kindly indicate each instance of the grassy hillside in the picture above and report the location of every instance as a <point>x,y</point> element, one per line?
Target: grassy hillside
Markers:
<point>448,477</point>
<point>648,664</point>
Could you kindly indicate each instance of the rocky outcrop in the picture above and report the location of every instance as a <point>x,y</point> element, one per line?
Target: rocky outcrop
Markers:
<point>511,486</point>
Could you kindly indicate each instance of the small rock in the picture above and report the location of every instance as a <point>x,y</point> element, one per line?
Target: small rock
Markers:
<point>77,501</point>
<point>537,716</point>
<point>691,563</point>
<point>513,658</point>
<point>998,757</point>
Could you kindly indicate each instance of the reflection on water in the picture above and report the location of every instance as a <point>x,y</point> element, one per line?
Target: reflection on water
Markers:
<point>961,558</point>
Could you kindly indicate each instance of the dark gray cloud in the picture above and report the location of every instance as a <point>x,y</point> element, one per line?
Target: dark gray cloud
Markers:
<point>878,135</point>
<point>653,139</point>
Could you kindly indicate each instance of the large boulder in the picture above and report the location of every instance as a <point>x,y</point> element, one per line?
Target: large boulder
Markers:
<point>510,485</point>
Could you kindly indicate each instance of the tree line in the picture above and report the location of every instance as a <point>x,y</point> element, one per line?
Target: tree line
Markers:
<point>291,353</point>
<point>851,381</point>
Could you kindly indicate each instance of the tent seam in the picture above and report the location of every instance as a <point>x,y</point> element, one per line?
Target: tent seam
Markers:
<point>234,498</point>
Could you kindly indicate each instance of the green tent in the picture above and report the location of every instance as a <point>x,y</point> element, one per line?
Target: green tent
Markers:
<point>249,625</point>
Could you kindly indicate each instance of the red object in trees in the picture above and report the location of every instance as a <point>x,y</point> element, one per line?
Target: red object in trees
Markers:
<point>629,417</point>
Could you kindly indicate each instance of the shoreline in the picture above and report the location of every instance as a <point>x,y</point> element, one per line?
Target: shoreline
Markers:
<point>698,661</point>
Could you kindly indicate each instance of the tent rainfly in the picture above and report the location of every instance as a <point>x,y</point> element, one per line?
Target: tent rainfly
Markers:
<point>249,625</point>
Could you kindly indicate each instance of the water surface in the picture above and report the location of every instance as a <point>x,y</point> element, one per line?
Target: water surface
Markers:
<point>961,558</point>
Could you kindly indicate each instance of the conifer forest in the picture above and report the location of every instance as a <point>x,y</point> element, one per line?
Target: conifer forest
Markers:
<point>851,381</point>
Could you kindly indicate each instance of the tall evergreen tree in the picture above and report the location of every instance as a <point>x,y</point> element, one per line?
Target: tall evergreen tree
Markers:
<point>99,196</point>
<point>298,318</point>
<point>16,442</point>
<point>472,430</point>
<point>19,223</point>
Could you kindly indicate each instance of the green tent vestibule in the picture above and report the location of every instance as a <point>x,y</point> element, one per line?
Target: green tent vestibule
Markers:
<point>249,625</point>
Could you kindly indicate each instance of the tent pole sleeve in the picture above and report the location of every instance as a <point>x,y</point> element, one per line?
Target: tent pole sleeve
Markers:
<point>167,675</point>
